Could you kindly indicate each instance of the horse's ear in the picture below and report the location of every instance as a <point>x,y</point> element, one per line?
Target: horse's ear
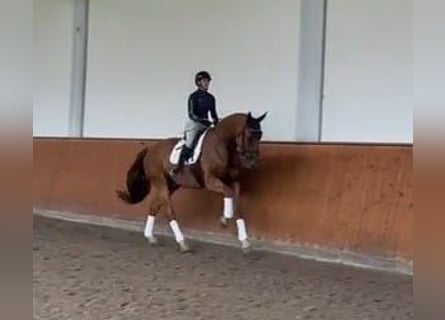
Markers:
<point>249,116</point>
<point>261,118</point>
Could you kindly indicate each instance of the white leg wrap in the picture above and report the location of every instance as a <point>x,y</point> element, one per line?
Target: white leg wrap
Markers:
<point>242,233</point>
<point>228,208</point>
<point>177,231</point>
<point>148,232</point>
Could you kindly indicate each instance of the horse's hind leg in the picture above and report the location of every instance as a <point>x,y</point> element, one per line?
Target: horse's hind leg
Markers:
<point>149,224</point>
<point>174,225</point>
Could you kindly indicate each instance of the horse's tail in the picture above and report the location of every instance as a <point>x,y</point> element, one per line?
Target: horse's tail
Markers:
<point>138,185</point>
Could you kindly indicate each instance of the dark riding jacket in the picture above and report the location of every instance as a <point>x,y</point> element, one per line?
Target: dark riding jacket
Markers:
<point>200,103</point>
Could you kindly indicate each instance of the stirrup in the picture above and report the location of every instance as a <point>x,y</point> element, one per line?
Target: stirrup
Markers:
<point>176,169</point>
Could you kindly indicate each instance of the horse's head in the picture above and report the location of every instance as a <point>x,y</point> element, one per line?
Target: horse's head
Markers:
<point>247,143</point>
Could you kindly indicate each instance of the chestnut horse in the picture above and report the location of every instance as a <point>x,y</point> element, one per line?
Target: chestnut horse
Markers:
<point>226,149</point>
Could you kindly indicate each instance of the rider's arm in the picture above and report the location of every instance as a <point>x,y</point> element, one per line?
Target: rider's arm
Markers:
<point>213,112</point>
<point>191,109</point>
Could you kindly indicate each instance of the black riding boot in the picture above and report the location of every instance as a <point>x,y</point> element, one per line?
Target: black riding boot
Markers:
<point>186,153</point>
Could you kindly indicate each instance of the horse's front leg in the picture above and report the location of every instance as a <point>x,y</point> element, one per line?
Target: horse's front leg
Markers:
<point>231,204</point>
<point>215,184</point>
<point>240,222</point>
<point>231,207</point>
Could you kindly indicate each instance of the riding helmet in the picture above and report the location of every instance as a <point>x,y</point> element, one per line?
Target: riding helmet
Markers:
<point>202,75</point>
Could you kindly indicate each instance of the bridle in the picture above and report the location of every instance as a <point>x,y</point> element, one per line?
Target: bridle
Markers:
<point>241,148</point>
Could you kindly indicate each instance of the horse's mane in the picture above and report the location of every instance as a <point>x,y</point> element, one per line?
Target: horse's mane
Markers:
<point>232,121</point>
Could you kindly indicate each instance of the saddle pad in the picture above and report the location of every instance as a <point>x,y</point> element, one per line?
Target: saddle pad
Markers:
<point>174,155</point>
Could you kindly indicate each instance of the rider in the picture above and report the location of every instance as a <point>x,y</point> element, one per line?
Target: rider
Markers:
<point>200,104</point>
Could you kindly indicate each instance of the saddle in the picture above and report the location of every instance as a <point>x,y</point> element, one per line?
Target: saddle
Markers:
<point>197,148</point>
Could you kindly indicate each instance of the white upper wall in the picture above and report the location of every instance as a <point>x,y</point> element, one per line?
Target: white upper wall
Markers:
<point>142,56</point>
<point>53,40</point>
<point>368,94</point>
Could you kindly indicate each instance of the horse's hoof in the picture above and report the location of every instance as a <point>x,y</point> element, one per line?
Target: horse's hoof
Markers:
<point>184,247</point>
<point>246,247</point>
<point>153,241</point>
<point>223,222</point>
